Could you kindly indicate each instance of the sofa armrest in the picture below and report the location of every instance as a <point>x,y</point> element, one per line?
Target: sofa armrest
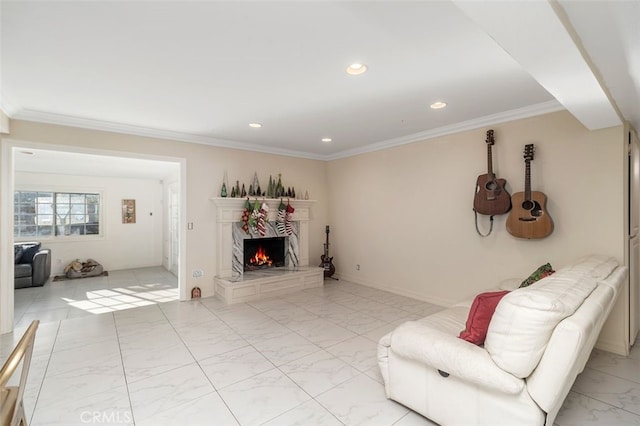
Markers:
<point>452,355</point>
<point>41,267</point>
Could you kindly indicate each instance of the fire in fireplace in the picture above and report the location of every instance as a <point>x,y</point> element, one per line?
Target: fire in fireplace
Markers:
<point>263,253</point>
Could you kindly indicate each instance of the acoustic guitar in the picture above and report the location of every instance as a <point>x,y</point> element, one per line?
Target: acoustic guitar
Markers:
<point>327,261</point>
<point>491,197</point>
<point>529,217</point>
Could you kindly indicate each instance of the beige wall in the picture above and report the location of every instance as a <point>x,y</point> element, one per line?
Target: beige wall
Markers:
<point>405,214</point>
<point>204,171</point>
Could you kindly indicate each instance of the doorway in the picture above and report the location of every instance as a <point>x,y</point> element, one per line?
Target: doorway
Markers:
<point>89,162</point>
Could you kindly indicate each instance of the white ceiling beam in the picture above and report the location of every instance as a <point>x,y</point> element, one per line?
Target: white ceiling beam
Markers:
<point>535,35</point>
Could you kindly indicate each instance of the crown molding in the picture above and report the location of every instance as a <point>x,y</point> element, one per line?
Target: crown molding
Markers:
<point>91,124</point>
<point>487,120</point>
<point>85,123</point>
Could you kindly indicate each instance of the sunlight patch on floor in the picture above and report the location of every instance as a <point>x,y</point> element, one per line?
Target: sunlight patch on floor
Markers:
<point>118,299</point>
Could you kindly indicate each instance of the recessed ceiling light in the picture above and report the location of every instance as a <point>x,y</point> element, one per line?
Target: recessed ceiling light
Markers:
<point>255,125</point>
<point>326,139</point>
<point>438,105</point>
<point>356,69</point>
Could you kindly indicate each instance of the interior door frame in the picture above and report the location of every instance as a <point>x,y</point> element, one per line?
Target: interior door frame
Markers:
<point>633,235</point>
<point>7,148</point>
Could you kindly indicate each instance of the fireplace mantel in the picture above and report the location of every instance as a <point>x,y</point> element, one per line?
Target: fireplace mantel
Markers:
<point>229,211</point>
<point>265,283</point>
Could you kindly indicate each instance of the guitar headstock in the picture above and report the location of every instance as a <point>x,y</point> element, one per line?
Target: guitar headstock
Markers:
<point>490,140</point>
<point>528,152</point>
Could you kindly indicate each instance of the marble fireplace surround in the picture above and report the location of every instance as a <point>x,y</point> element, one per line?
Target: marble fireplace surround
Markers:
<point>232,284</point>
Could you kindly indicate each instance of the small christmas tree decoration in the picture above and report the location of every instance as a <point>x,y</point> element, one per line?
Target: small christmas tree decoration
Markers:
<point>293,193</point>
<point>243,193</point>
<point>225,183</point>
<point>255,183</point>
<point>270,188</point>
<point>237,188</point>
<point>279,187</point>
<point>233,193</point>
<point>251,191</point>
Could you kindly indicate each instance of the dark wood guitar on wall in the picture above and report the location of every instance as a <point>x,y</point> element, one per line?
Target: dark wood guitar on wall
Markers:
<point>529,217</point>
<point>327,261</point>
<point>491,197</point>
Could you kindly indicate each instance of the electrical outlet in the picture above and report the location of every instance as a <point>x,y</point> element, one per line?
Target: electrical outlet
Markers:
<point>358,267</point>
<point>197,273</point>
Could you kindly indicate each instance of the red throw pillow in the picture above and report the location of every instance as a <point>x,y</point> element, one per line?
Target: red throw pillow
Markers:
<point>480,315</point>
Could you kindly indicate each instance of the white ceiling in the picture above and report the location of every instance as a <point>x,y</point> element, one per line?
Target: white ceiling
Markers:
<point>83,164</point>
<point>202,71</point>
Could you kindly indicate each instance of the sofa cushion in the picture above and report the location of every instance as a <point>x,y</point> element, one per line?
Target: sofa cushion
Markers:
<point>17,253</point>
<point>29,251</point>
<point>22,270</point>
<point>525,318</point>
<point>425,343</point>
<point>541,272</point>
<point>480,315</point>
<point>596,266</point>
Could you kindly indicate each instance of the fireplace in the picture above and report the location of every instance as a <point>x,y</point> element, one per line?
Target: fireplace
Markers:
<point>263,253</point>
<point>230,236</point>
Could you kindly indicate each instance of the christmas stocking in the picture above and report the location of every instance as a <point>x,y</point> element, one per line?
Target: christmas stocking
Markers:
<point>280,219</point>
<point>254,218</point>
<point>287,219</point>
<point>263,212</point>
<point>246,213</point>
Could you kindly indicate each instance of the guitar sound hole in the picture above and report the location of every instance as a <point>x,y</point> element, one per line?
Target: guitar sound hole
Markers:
<point>536,211</point>
<point>533,207</point>
<point>491,186</point>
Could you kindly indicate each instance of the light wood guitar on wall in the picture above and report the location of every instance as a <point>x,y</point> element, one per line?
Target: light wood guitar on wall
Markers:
<point>528,217</point>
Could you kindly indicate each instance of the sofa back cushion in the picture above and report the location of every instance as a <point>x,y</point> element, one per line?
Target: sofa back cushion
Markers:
<point>28,251</point>
<point>525,319</point>
<point>17,253</point>
<point>595,265</point>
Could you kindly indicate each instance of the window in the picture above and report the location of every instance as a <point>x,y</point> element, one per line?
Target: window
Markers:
<point>50,214</point>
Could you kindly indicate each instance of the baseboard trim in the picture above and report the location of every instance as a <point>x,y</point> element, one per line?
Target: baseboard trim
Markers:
<point>367,282</point>
<point>613,347</point>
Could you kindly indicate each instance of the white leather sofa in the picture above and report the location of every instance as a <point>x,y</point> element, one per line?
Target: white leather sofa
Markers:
<point>539,339</point>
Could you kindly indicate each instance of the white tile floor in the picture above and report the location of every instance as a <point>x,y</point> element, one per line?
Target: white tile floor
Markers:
<point>304,359</point>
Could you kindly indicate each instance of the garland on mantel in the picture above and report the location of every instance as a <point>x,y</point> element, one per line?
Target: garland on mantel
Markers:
<point>275,189</point>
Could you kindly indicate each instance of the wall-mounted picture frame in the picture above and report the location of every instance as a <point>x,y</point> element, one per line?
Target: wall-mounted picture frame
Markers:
<point>128,211</point>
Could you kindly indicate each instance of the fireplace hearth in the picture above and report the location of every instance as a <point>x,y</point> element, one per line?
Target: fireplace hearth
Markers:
<point>264,253</point>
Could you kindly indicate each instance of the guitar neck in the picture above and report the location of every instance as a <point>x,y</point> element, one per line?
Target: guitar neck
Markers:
<point>326,245</point>
<point>489,162</point>
<point>527,180</point>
